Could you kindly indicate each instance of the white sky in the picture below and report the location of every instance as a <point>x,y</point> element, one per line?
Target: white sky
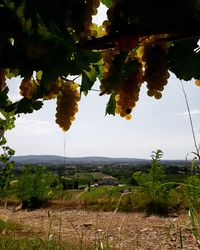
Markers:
<point>156,124</point>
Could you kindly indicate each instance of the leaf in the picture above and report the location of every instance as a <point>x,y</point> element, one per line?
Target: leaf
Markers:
<point>37,105</point>
<point>184,61</point>
<point>4,97</point>
<point>110,107</point>
<point>39,75</point>
<point>88,80</point>
<point>107,3</point>
<point>24,106</point>
<point>27,106</point>
<point>12,73</point>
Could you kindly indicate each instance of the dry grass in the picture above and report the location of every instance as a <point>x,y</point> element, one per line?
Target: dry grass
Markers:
<point>120,230</point>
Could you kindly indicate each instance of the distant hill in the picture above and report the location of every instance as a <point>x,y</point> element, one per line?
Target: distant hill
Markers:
<point>96,160</point>
<point>55,159</point>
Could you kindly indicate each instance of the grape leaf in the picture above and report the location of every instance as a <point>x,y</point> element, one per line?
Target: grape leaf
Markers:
<point>27,106</point>
<point>110,107</point>
<point>184,61</point>
<point>4,97</point>
<point>107,3</point>
<point>37,105</point>
<point>88,80</point>
<point>39,75</point>
<point>12,73</point>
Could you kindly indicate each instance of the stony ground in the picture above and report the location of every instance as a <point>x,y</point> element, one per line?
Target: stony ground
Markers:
<point>121,230</point>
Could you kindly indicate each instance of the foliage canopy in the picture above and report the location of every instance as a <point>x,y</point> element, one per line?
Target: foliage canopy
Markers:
<point>46,43</point>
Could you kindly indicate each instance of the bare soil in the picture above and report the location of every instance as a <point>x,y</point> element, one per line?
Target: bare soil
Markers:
<point>120,230</point>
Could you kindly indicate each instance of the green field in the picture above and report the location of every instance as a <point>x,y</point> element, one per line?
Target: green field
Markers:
<point>84,178</point>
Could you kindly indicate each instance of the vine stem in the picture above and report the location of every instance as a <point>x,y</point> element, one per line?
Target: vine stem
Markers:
<point>190,119</point>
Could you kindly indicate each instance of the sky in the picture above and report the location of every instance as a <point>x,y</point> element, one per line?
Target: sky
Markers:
<point>156,124</point>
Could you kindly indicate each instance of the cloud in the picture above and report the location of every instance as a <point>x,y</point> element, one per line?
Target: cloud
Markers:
<point>33,127</point>
<point>192,112</point>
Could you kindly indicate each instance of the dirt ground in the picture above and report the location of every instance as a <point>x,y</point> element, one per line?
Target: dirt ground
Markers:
<point>120,230</point>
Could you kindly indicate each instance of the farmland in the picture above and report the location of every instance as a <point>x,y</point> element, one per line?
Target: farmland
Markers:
<point>143,206</point>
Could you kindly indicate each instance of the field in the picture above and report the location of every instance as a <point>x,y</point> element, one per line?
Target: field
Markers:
<point>77,229</point>
<point>143,210</point>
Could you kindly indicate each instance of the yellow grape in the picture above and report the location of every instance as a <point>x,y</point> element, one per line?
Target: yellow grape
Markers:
<point>128,117</point>
<point>158,95</point>
<point>197,82</point>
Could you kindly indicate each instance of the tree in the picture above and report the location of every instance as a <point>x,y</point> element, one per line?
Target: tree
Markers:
<point>46,43</point>
<point>6,168</point>
<point>34,186</point>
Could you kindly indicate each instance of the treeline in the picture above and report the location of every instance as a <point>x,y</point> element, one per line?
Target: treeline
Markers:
<point>117,170</point>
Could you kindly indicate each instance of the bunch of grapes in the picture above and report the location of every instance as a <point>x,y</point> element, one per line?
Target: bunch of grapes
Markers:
<point>127,93</point>
<point>83,20</point>
<point>67,104</point>
<point>108,71</point>
<point>156,69</point>
<point>2,79</point>
<point>91,9</point>
<point>28,87</point>
<point>54,91</point>
<point>111,16</point>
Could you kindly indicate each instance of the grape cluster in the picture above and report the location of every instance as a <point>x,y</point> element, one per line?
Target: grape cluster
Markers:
<point>91,10</point>
<point>127,93</point>
<point>54,91</point>
<point>2,79</point>
<point>83,20</point>
<point>111,16</point>
<point>156,69</point>
<point>108,71</point>
<point>67,104</point>
<point>28,87</point>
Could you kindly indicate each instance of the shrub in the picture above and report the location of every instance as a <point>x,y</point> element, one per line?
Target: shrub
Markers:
<point>192,191</point>
<point>153,192</point>
<point>34,186</point>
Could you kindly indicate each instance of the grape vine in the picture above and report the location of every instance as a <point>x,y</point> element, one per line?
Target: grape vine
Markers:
<point>132,47</point>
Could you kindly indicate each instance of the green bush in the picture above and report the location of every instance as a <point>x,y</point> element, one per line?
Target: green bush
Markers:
<point>6,169</point>
<point>192,191</point>
<point>153,190</point>
<point>127,203</point>
<point>35,186</point>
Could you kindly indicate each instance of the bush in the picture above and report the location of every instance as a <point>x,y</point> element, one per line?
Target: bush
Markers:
<point>192,191</point>
<point>127,203</point>
<point>153,193</point>
<point>35,186</point>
